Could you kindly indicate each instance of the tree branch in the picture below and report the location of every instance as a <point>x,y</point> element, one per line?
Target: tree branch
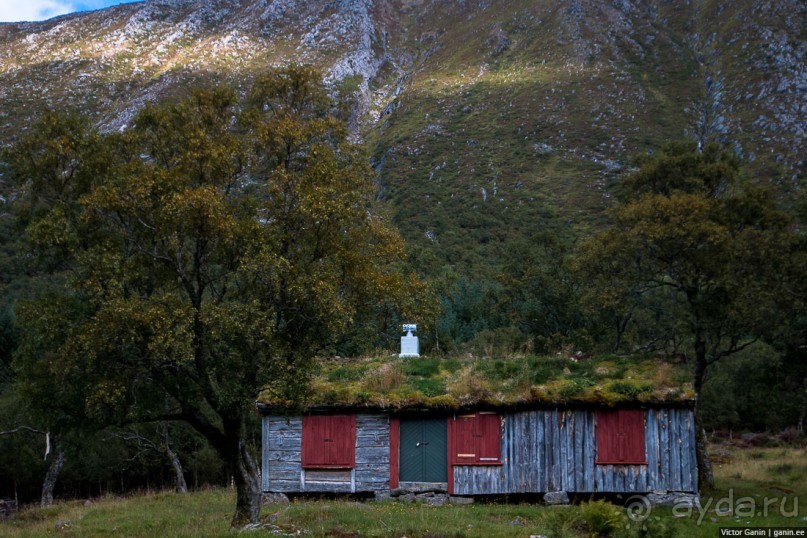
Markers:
<point>734,348</point>
<point>166,417</point>
<point>25,429</point>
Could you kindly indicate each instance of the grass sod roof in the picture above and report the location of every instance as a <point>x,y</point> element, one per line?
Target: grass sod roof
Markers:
<point>397,384</point>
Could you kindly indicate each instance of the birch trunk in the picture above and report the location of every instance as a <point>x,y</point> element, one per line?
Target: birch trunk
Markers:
<point>180,484</point>
<point>56,464</point>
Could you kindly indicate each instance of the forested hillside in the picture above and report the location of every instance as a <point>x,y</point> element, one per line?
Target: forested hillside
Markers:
<point>488,123</point>
<point>569,178</point>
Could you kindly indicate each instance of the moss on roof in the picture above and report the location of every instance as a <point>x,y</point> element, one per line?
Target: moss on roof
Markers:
<point>456,383</point>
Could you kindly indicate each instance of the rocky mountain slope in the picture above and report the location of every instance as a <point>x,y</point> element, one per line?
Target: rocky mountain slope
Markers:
<point>487,120</point>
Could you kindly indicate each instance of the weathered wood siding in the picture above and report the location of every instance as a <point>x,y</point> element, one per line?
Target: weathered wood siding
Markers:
<point>282,455</point>
<point>553,450</point>
<point>542,450</point>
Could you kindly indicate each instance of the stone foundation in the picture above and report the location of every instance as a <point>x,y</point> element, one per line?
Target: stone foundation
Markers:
<point>269,497</point>
<point>673,498</point>
<point>556,497</point>
<point>434,494</point>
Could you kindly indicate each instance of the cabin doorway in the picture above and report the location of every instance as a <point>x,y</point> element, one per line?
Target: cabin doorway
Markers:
<point>423,451</point>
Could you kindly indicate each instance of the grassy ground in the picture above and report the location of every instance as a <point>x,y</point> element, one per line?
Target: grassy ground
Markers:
<point>758,487</point>
<point>202,513</point>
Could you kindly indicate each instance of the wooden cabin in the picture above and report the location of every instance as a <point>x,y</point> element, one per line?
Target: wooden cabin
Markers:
<point>489,444</point>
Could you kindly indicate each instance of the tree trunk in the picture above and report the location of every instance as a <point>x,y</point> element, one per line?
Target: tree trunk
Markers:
<point>56,464</point>
<point>179,478</point>
<point>247,488</point>
<point>621,325</point>
<point>229,443</point>
<point>803,413</point>
<point>706,479</point>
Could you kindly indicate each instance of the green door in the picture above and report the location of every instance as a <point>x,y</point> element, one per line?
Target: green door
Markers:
<point>423,451</point>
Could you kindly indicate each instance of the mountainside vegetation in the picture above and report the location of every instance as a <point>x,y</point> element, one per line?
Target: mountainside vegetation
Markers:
<point>541,186</point>
<point>508,125</point>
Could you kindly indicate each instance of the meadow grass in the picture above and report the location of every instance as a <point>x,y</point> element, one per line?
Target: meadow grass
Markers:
<point>759,487</point>
<point>201,513</point>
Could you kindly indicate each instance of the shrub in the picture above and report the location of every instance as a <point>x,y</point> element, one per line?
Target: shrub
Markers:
<point>600,517</point>
<point>561,521</point>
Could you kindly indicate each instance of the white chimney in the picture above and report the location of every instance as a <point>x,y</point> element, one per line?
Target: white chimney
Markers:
<point>409,343</point>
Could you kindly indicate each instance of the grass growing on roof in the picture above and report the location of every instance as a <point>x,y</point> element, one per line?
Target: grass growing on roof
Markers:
<point>453,383</point>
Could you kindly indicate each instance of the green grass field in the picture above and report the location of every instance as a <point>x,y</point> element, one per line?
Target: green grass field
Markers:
<point>758,487</point>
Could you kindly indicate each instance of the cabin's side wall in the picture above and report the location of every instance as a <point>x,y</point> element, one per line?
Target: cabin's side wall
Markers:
<point>282,456</point>
<point>281,453</point>
<point>554,450</point>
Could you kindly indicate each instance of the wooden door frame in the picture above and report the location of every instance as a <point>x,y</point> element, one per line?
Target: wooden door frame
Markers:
<point>395,455</point>
<point>394,450</point>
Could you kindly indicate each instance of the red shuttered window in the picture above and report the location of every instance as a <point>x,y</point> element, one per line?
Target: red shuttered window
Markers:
<point>475,439</point>
<point>329,441</point>
<point>621,437</point>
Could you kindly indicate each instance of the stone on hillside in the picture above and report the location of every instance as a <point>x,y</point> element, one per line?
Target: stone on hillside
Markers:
<point>498,42</point>
<point>542,149</point>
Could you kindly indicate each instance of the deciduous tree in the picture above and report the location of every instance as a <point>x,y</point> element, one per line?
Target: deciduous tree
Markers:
<point>214,252</point>
<point>687,225</point>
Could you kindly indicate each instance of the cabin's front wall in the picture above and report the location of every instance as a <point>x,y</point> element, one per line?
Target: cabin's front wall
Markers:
<point>541,451</point>
<point>282,469</point>
<point>555,450</point>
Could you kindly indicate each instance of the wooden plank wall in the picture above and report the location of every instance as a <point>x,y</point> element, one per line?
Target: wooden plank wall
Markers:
<point>282,453</point>
<point>542,450</point>
<point>553,450</point>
